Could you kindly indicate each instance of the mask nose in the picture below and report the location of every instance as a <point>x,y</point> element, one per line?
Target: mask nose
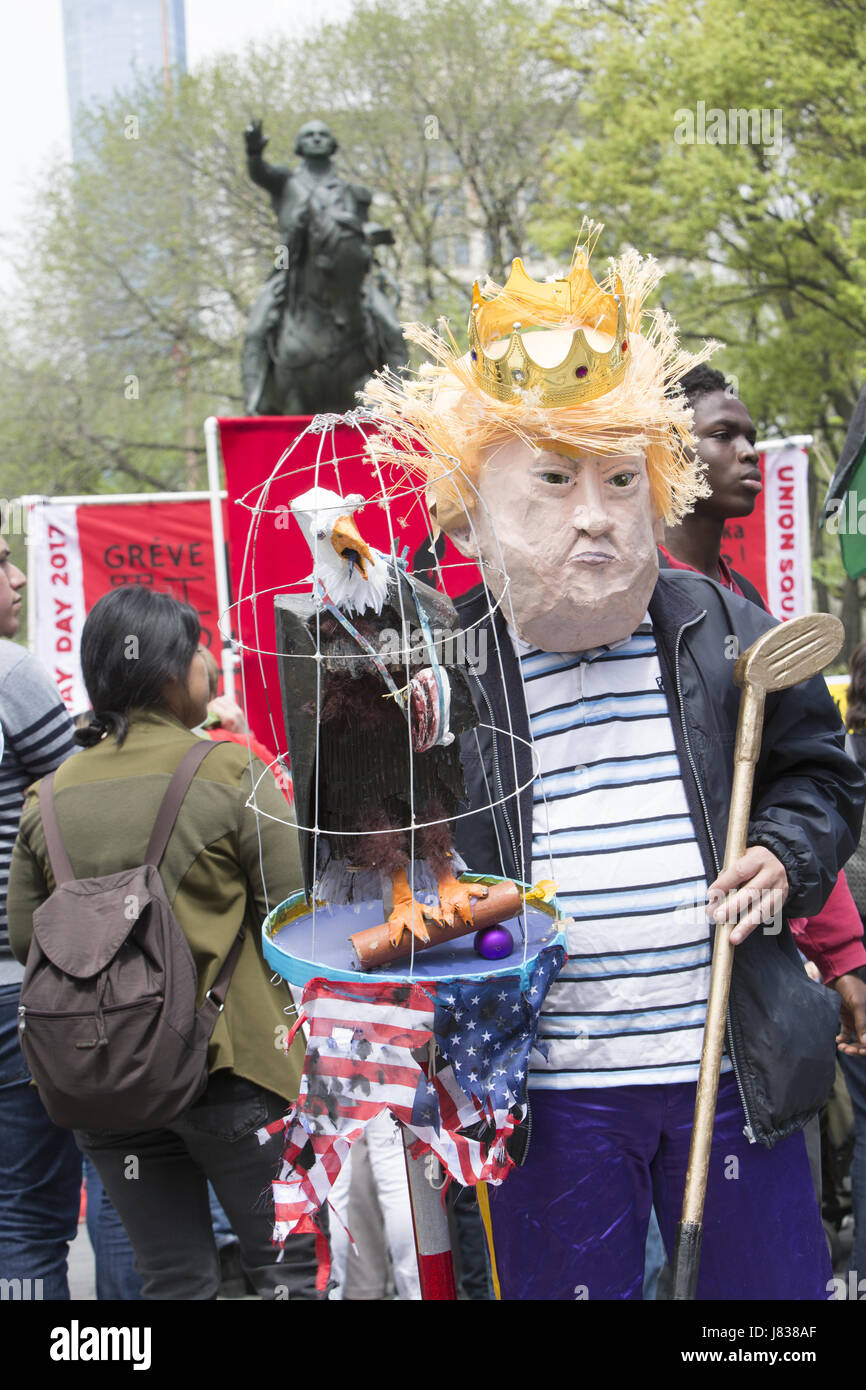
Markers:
<point>590,513</point>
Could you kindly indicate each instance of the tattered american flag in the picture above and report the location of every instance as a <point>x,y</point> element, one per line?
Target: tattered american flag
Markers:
<point>360,1061</point>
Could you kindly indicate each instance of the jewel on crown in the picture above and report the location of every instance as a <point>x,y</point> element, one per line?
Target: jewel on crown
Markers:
<point>525,305</point>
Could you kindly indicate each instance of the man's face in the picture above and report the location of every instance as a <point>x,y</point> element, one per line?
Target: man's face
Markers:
<point>726,446</point>
<point>574,535</point>
<point>315,141</point>
<point>12,581</point>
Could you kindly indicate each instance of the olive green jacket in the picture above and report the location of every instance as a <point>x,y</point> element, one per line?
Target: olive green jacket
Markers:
<point>107,800</point>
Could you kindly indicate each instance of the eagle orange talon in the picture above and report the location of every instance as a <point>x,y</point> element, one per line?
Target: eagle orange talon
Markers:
<point>457,897</point>
<point>409,916</point>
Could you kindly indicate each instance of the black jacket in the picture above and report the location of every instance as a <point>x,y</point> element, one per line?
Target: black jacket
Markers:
<point>807,808</point>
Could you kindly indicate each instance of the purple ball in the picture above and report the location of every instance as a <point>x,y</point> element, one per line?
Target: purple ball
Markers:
<point>494,942</point>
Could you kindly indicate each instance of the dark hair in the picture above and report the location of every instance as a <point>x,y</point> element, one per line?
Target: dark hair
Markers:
<point>133,643</point>
<point>855,708</point>
<point>702,381</point>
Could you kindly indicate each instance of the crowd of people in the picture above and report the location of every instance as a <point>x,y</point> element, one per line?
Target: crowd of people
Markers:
<point>613,665</point>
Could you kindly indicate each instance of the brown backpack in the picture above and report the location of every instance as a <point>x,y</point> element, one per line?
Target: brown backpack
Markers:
<point>107,1021</point>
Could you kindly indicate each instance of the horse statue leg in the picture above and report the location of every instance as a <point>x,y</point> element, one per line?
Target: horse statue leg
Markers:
<point>257,361</point>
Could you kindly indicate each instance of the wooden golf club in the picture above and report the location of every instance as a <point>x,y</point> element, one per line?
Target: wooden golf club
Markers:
<point>784,656</point>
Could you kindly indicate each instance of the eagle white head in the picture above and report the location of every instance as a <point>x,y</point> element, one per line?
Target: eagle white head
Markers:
<point>353,575</point>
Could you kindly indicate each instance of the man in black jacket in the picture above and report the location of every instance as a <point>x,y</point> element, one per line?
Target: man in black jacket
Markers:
<point>726,435</point>
<point>603,760</point>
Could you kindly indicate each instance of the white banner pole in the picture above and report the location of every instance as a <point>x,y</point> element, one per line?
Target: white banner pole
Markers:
<point>212,451</point>
<point>108,499</point>
<point>29,503</point>
<point>800,441</point>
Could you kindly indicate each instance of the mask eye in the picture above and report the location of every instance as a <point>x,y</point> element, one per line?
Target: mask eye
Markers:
<point>556,479</point>
<point>622,480</point>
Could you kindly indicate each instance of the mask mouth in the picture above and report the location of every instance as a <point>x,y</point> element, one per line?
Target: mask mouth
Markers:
<point>591,557</point>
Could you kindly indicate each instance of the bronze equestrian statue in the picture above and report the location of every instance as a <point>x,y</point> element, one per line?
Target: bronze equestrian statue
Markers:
<point>323,323</point>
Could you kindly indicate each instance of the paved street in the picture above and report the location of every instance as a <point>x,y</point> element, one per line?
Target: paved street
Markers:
<point>82,1279</point>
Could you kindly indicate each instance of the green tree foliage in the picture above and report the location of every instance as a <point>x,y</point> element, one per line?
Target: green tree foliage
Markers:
<point>762,228</point>
<point>448,110</point>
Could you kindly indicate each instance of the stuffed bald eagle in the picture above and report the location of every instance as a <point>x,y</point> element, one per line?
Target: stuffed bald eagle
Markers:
<point>371,716</point>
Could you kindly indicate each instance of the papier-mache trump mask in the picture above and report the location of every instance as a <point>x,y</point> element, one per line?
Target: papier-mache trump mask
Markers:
<point>556,446</point>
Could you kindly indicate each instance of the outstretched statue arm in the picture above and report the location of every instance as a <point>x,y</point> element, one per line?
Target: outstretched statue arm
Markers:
<point>269,176</point>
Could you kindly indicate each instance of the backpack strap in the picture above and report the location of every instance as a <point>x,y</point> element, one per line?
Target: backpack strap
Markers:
<point>173,799</point>
<point>214,1000</point>
<point>57,855</point>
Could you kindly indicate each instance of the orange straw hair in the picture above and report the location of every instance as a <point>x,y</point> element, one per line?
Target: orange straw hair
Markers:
<point>444,413</point>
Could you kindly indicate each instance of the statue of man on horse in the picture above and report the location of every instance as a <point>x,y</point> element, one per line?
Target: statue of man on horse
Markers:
<point>323,322</point>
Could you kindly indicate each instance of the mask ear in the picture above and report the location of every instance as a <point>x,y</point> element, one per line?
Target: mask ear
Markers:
<point>460,534</point>
<point>465,542</point>
<point>659,530</point>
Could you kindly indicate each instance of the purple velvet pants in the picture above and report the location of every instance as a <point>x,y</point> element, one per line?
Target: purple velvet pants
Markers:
<point>572,1223</point>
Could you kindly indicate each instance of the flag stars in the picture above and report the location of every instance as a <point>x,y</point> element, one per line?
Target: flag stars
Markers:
<point>485,1037</point>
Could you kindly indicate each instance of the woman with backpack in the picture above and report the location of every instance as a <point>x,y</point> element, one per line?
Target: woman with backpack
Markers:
<point>148,1015</point>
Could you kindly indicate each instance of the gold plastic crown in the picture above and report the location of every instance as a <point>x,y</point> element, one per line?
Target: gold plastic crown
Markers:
<point>577,303</point>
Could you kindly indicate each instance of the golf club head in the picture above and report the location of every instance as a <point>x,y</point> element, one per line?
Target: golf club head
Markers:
<point>791,652</point>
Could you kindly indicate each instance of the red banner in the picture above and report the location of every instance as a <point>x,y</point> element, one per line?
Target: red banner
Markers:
<point>82,551</point>
<point>772,547</point>
<point>268,554</point>
<point>166,546</point>
<point>744,545</point>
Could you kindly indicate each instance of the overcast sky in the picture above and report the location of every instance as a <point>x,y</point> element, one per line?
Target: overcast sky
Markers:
<point>34,123</point>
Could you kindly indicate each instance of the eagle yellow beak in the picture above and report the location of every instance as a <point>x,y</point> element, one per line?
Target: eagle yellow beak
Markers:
<point>350,545</point>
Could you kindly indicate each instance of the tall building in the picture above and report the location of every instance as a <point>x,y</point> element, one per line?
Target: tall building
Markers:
<point>111,43</point>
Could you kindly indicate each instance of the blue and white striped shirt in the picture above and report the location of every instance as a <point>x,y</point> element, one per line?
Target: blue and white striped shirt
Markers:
<point>611,825</point>
<point>37,736</point>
